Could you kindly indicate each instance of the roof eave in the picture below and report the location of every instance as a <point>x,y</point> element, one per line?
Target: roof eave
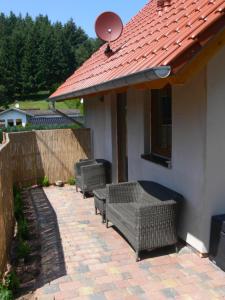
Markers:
<point>132,79</point>
<point>15,109</point>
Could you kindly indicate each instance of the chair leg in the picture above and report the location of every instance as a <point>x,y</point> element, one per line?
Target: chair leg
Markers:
<point>103,219</point>
<point>176,248</point>
<point>76,188</point>
<point>137,256</point>
<point>107,223</point>
<point>84,196</point>
<point>96,211</point>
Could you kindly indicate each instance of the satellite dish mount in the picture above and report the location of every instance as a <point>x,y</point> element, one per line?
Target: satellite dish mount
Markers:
<point>109,28</point>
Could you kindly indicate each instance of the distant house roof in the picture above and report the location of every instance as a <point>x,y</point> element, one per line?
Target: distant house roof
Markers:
<point>52,121</point>
<point>17,110</point>
<point>46,113</point>
<point>43,113</point>
<point>164,33</point>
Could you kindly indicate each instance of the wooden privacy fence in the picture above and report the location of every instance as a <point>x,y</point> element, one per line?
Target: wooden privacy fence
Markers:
<point>25,158</point>
<point>6,205</point>
<point>47,152</point>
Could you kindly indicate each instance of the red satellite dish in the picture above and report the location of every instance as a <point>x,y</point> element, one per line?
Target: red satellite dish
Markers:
<point>108,26</point>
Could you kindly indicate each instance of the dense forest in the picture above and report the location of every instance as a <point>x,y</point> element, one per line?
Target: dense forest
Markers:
<point>37,55</point>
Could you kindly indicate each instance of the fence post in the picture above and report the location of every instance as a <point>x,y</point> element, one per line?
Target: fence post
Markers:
<point>4,138</point>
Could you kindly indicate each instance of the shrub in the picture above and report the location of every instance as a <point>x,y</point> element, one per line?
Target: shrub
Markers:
<point>5,293</point>
<point>45,181</point>
<point>12,281</point>
<point>23,231</point>
<point>71,181</point>
<point>16,190</point>
<point>39,181</point>
<point>23,249</point>
<point>18,206</point>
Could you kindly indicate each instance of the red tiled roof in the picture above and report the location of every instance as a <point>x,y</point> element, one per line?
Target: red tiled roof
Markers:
<point>156,36</point>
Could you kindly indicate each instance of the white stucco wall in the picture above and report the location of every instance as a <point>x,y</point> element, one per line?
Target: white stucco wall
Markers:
<point>14,115</point>
<point>214,201</point>
<point>98,118</point>
<point>198,145</point>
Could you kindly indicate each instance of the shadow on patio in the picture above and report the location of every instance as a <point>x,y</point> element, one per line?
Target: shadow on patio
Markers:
<point>52,256</point>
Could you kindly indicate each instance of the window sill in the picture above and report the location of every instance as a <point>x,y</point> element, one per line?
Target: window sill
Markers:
<point>164,162</point>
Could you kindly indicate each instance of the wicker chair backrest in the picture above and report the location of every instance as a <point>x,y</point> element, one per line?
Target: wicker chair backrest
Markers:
<point>78,165</point>
<point>124,192</point>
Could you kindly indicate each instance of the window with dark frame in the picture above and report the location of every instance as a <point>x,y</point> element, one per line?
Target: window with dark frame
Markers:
<point>18,122</point>
<point>158,126</point>
<point>2,123</point>
<point>10,123</point>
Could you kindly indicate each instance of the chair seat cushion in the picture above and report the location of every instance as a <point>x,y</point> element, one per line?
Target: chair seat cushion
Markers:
<point>126,212</point>
<point>118,214</point>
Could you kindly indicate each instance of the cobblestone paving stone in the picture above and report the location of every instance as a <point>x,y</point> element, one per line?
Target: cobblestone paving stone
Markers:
<point>98,264</point>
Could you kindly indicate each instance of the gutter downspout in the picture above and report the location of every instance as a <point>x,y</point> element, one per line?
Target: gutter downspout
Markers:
<point>139,77</point>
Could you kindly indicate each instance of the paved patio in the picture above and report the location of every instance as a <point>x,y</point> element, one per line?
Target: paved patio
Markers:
<point>84,260</point>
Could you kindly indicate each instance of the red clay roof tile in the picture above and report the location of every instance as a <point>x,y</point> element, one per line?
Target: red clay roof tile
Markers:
<point>156,36</point>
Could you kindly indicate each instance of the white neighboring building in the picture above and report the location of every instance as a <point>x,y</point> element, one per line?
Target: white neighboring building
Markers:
<point>14,117</point>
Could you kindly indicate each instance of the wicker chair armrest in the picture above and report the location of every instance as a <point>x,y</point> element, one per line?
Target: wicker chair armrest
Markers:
<point>123,192</point>
<point>82,163</point>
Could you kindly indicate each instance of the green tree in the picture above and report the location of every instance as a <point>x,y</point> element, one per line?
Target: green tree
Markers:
<point>36,55</point>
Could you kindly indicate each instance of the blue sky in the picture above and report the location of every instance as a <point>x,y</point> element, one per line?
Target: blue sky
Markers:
<point>83,12</point>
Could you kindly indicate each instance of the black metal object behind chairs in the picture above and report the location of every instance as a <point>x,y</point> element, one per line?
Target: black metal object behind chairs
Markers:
<point>92,174</point>
<point>217,241</point>
<point>145,214</point>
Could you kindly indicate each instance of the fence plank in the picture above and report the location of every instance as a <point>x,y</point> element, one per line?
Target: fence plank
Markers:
<point>6,205</point>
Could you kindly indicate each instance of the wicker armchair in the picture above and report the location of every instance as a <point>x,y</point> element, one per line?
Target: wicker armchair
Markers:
<point>90,175</point>
<point>77,169</point>
<point>106,163</point>
<point>147,220</point>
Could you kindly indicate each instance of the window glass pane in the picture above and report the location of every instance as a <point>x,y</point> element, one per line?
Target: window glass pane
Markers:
<point>147,125</point>
<point>10,123</point>
<point>161,120</point>
<point>2,123</point>
<point>18,122</point>
<point>166,110</point>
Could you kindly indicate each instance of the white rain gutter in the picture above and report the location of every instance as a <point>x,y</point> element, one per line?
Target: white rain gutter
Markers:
<point>136,78</point>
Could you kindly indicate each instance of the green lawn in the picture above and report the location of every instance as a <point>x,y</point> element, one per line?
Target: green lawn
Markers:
<point>43,104</point>
<point>39,101</point>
